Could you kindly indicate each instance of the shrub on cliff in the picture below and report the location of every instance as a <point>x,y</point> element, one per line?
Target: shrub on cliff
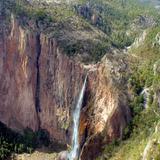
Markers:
<point>121,40</point>
<point>13,142</point>
<point>4,148</point>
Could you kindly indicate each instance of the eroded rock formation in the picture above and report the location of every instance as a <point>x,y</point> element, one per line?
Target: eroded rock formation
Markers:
<point>39,86</point>
<point>106,113</point>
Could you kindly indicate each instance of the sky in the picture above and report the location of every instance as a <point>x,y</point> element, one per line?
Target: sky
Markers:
<point>156,3</point>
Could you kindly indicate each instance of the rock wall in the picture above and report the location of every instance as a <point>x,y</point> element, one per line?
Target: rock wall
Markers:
<point>106,113</point>
<point>17,77</point>
<point>39,86</point>
<point>60,82</point>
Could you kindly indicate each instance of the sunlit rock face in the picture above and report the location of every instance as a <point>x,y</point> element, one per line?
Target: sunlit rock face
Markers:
<point>60,82</point>
<point>17,77</point>
<point>106,113</point>
<point>39,87</point>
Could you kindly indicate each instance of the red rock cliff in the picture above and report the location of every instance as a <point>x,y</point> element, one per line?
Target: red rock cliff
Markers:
<point>39,86</point>
<point>106,113</point>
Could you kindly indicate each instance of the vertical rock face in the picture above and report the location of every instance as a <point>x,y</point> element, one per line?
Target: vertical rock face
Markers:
<point>17,78</point>
<point>39,86</point>
<point>60,82</point>
<point>106,115</point>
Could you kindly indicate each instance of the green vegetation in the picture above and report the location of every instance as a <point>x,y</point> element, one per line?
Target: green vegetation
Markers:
<point>115,24</point>
<point>141,130</point>
<point>112,21</point>
<point>23,10</point>
<point>120,40</point>
<point>12,142</point>
<point>114,18</point>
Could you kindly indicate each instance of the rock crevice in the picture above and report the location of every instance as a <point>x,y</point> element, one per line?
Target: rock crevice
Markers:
<point>38,52</point>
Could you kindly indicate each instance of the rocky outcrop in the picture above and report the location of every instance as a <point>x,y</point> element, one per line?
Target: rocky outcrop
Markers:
<point>151,149</point>
<point>39,86</point>
<point>90,12</point>
<point>105,116</point>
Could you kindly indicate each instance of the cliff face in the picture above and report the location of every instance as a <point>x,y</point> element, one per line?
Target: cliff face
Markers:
<point>60,82</point>
<point>39,87</point>
<point>18,78</point>
<point>105,116</point>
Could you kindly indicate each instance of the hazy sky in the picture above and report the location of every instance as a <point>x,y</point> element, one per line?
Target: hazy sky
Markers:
<point>156,3</point>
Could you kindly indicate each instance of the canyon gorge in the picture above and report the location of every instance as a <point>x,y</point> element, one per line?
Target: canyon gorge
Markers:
<point>40,85</point>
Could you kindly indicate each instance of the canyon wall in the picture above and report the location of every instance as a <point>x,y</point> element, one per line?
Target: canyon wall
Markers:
<point>106,114</point>
<point>39,87</point>
<point>17,77</point>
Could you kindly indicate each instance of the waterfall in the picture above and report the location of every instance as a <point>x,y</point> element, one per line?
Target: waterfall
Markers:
<point>73,155</point>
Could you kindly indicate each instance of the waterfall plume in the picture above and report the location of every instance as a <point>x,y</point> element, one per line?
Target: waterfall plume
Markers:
<point>74,153</point>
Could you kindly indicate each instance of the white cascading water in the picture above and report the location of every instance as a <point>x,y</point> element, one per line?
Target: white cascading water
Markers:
<point>73,155</point>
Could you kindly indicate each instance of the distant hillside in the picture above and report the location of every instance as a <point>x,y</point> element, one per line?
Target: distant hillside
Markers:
<point>141,137</point>
<point>89,29</point>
